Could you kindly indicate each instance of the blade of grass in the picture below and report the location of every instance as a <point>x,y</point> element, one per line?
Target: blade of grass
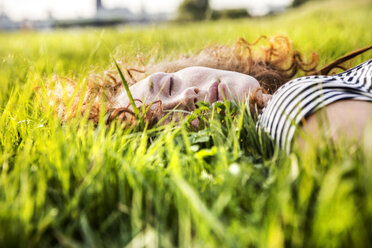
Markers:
<point>135,109</point>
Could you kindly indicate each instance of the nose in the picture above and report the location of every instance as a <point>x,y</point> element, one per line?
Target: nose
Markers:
<point>189,98</point>
<point>185,100</point>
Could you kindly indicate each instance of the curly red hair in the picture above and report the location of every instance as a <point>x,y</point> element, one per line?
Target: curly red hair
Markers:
<point>272,64</point>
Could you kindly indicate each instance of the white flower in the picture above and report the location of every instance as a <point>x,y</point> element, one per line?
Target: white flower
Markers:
<point>234,169</point>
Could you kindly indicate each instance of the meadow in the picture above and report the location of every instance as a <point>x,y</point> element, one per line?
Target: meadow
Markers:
<point>77,185</point>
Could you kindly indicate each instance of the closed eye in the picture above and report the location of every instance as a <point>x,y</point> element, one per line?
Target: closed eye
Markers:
<point>170,85</point>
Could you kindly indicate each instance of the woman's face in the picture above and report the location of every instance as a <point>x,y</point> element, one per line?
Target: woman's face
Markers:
<point>184,88</point>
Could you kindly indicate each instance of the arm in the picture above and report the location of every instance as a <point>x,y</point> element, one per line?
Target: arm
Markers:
<point>346,119</point>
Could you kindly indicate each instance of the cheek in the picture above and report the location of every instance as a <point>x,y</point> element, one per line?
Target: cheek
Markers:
<point>195,78</point>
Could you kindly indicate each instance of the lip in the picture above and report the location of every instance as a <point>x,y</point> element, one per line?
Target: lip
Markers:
<point>213,92</point>
<point>221,95</point>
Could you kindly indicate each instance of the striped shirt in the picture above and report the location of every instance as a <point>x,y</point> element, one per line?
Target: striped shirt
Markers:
<point>297,99</point>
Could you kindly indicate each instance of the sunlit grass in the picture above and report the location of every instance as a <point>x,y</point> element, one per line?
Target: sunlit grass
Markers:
<point>78,185</point>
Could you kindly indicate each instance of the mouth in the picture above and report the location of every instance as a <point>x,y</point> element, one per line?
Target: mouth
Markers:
<point>213,92</point>
<point>222,92</point>
<point>217,92</point>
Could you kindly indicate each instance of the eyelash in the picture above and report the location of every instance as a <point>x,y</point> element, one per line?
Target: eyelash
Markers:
<point>170,85</point>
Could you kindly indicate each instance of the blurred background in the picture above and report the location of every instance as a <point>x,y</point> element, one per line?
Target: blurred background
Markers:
<point>45,14</point>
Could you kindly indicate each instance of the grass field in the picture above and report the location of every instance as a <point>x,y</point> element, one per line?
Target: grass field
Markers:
<point>76,185</point>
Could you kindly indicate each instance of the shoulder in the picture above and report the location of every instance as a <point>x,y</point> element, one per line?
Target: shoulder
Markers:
<point>300,97</point>
<point>289,104</point>
<point>342,120</point>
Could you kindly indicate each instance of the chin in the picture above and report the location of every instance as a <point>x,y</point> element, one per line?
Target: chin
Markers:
<point>235,93</point>
<point>239,96</point>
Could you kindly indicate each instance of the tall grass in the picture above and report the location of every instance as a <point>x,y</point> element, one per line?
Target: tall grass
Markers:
<point>77,185</point>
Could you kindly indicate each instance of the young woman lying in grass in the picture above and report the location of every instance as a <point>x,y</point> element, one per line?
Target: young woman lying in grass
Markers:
<point>223,73</point>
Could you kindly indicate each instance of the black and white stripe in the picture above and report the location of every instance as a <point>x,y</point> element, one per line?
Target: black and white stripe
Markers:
<point>300,97</point>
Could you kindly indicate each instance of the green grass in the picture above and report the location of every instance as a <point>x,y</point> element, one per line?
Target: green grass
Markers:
<point>76,185</point>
